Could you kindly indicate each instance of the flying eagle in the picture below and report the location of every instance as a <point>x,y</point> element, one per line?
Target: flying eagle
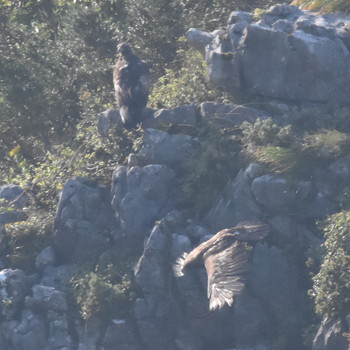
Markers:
<point>131,79</point>
<point>226,258</point>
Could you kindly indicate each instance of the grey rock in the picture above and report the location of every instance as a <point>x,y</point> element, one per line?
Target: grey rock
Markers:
<point>47,298</point>
<point>84,199</point>
<point>89,335</point>
<point>341,169</point>
<point>30,334</point>
<point>107,120</point>
<point>184,115</point>
<point>45,258</point>
<point>304,57</point>
<point>159,147</point>
<point>59,332</point>
<point>280,11</point>
<point>235,204</point>
<point>80,241</point>
<point>125,334</point>
<point>321,207</point>
<point>196,232</point>
<point>330,336</point>
<point>140,196</point>
<point>152,326</point>
<point>84,216</point>
<point>238,16</point>
<point>14,286</point>
<point>274,280</point>
<point>14,194</point>
<point>283,25</point>
<point>58,277</point>
<point>344,33</point>
<point>308,25</point>
<point>228,115</point>
<point>249,330</point>
<point>274,193</point>
<point>149,272</point>
<point>199,39</point>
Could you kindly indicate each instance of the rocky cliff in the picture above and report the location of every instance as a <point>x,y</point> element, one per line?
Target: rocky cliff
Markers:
<point>140,219</point>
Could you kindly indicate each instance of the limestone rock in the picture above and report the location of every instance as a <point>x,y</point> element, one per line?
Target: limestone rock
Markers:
<point>141,195</point>
<point>159,147</point>
<point>288,55</point>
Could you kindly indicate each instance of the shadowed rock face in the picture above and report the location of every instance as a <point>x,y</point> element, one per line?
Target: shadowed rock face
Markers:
<point>288,55</point>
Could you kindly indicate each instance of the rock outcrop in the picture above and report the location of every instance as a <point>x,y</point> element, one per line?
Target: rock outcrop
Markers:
<point>288,54</point>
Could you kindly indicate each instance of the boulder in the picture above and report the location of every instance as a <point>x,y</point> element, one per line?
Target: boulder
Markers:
<point>273,193</point>
<point>14,286</point>
<point>107,120</point>
<point>59,332</point>
<point>84,215</point>
<point>141,195</point>
<point>160,147</point>
<point>30,334</point>
<point>45,258</point>
<point>58,277</point>
<point>46,298</point>
<point>125,334</point>
<point>184,115</point>
<point>288,55</point>
<point>14,194</point>
<point>235,204</point>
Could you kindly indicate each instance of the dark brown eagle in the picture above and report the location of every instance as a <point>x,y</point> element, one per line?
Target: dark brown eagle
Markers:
<point>131,79</point>
<point>226,258</point>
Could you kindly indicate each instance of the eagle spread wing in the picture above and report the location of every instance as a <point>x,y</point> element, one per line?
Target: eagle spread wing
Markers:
<point>227,272</point>
<point>226,258</point>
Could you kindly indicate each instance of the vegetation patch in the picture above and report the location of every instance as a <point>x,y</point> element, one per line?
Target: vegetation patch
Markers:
<point>331,285</point>
<point>24,240</point>
<point>107,290</point>
<point>184,83</point>
<point>324,5</point>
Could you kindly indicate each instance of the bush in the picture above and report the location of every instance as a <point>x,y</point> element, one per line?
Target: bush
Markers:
<point>24,240</point>
<point>107,291</point>
<point>185,83</point>
<point>331,286</point>
<point>326,144</point>
<point>324,5</point>
<point>98,299</point>
<point>88,156</point>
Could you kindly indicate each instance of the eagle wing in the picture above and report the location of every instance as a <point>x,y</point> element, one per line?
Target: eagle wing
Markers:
<point>227,271</point>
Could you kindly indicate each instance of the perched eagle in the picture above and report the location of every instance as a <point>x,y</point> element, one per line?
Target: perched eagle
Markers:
<point>131,84</point>
<point>226,258</point>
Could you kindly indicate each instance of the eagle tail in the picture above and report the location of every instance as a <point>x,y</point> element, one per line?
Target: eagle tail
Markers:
<point>179,264</point>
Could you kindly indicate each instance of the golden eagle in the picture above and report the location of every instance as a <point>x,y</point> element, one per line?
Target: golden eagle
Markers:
<point>226,259</point>
<point>131,84</point>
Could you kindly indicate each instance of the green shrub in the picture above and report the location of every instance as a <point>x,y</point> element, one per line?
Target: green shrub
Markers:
<point>99,299</point>
<point>326,144</point>
<point>91,157</point>
<point>185,83</point>
<point>277,159</point>
<point>331,286</point>
<point>107,291</point>
<point>324,5</point>
<point>26,239</point>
